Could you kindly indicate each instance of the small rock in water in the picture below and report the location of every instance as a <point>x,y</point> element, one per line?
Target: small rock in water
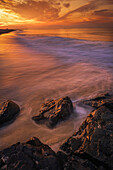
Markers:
<point>8,111</point>
<point>54,111</point>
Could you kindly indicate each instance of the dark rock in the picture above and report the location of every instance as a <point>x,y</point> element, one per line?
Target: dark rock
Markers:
<point>54,111</point>
<point>93,141</point>
<point>90,148</point>
<point>99,100</point>
<point>8,111</point>
<point>29,156</point>
<point>3,31</point>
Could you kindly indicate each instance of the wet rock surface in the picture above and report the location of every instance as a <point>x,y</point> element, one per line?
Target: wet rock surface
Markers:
<point>99,100</point>
<point>91,146</point>
<point>32,155</point>
<point>54,111</point>
<point>8,111</point>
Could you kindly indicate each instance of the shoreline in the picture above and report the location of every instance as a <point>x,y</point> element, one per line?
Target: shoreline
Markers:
<point>4,31</point>
<point>90,147</point>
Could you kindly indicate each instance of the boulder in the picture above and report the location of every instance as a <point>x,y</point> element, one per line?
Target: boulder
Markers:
<point>32,155</point>
<point>99,100</point>
<point>93,142</point>
<point>54,111</point>
<point>8,111</point>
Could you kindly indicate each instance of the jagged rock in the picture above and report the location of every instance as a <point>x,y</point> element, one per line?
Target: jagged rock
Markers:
<point>99,100</point>
<point>94,139</point>
<point>8,111</point>
<point>54,111</point>
<point>79,161</point>
<point>32,155</point>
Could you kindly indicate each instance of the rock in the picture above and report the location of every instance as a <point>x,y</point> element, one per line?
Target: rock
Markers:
<point>93,142</point>
<point>54,111</point>
<point>99,100</point>
<point>78,161</point>
<point>32,155</point>
<point>8,111</point>
<point>3,31</point>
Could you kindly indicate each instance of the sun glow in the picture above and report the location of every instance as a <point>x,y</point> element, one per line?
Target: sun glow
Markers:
<point>7,17</point>
<point>34,13</point>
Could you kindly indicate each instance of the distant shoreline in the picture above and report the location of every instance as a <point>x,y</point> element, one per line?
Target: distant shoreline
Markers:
<point>3,31</point>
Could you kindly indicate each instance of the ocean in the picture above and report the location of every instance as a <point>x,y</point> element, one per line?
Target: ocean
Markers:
<point>36,65</point>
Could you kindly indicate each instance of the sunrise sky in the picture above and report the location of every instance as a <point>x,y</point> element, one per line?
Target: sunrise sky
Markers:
<point>56,13</point>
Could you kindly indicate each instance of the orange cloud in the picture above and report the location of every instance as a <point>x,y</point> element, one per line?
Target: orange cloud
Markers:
<point>55,12</point>
<point>7,17</point>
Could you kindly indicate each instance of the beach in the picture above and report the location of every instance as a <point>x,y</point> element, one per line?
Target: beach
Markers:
<point>41,65</point>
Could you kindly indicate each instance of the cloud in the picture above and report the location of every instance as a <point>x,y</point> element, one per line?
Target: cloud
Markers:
<point>2,1</point>
<point>83,9</point>
<point>67,5</point>
<point>8,17</point>
<point>90,8</point>
<point>40,10</point>
<point>105,2</point>
<point>57,11</point>
<point>104,13</point>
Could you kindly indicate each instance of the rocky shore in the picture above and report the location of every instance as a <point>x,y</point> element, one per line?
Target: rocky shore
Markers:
<point>3,31</point>
<point>90,148</point>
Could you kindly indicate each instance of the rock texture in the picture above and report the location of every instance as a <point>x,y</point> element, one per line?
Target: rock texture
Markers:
<point>99,100</point>
<point>92,145</point>
<point>54,111</point>
<point>8,111</point>
<point>32,155</point>
<point>90,148</point>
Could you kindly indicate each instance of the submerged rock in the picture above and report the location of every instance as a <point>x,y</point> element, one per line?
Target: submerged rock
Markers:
<point>8,111</point>
<point>93,142</point>
<point>54,111</point>
<point>32,155</point>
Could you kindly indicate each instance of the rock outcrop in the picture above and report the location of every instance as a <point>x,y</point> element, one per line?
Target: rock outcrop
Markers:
<point>3,31</point>
<point>99,100</point>
<point>8,111</point>
<point>92,144</point>
<point>32,155</point>
<point>54,111</point>
<point>90,148</point>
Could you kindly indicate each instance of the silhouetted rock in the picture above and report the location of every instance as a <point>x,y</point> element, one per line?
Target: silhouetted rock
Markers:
<point>54,111</point>
<point>93,142</point>
<point>32,155</point>
<point>8,111</point>
<point>3,31</point>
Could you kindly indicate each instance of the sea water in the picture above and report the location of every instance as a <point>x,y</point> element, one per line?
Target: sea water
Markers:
<point>36,65</point>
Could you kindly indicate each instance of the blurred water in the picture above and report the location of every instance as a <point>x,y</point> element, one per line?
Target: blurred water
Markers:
<point>35,66</point>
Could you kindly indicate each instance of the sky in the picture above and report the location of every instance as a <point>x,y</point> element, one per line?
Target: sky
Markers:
<point>56,13</point>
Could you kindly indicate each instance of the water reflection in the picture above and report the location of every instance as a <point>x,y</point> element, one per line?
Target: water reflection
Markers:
<point>33,69</point>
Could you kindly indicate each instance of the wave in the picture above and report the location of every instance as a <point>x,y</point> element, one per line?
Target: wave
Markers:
<point>35,68</point>
<point>68,50</point>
